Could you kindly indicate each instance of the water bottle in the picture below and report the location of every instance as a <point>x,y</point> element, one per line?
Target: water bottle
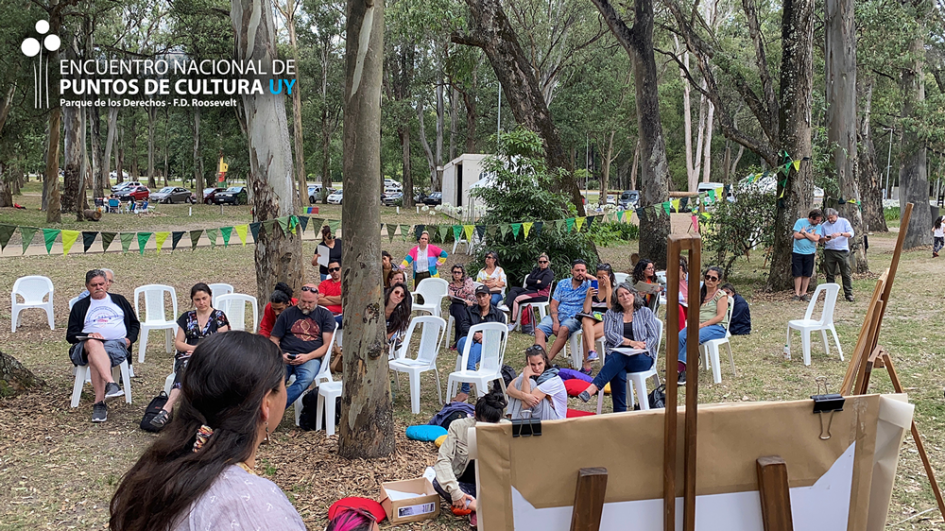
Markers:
<point>787,352</point>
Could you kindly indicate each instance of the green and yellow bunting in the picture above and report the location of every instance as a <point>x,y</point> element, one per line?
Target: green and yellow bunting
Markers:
<point>391,231</point>
<point>504,230</point>
<point>241,231</point>
<point>579,222</point>
<point>334,225</point>
<point>283,224</point>
<point>143,238</point>
<point>159,239</point>
<point>254,229</point>
<point>569,224</point>
<point>457,232</point>
<point>50,235</point>
<point>226,232</point>
<point>68,239</point>
<point>194,238</point>
<point>212,236</point>
<point>527,226</point>
<point>516,227</point>
<point>404,231</point>
<point>126,239</point>
<point>6,232</point>
<point>107,239</point>
<point>26,234</point>
<point>443,231</point>
<point>303,221</point>
<point>88,238</point>
<point>175,239</point>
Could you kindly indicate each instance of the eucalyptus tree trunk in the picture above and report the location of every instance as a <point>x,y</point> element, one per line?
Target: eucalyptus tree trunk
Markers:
<point>436,185</point>
<point>913,158</point>
<point>868,174</point>
<point>109,144</point>
<point>97,176</point>
<point>289,13</point>
<point>152,117</point>
<point>367,424</point>
<point>841,120</point>
<point>133,165</point>
<point>52,201</point>
<point>403,132</point>
<point>796,196</point>
<point>198,160</point>
<point>278,254</point>
<point>167,145</point>
<point>74,165</point>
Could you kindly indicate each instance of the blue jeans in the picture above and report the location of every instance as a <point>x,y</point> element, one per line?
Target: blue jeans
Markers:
<point>615,371</point>
<point>496,299</point>
<point>475,354</point>
<point>304,376</point>
<point>707,333</point>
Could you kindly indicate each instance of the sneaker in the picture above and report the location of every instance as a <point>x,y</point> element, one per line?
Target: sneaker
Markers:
<point>592,356</point>
<point>849,298</point>
<point>113,391</point>
<point>681,380</point>
<point>99,412</point>
<point>503,308</point>
<point>586,371</point>
<point>160,420</point>
<point>805,298</point>
<point>473,521</point>
<point>585,396</point>
<point>511,327</point>
<point>796,298</point>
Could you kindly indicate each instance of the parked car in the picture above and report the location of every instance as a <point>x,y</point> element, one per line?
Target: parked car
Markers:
<point>136,193</point>
<point>629,199</point>
<point>210,193</point>
<point>389,198</point>
<point>172,194</point>
<point>335,198</point>
<point>234,195</point>
<point>124,186</point>
<point>434,198</point>
<point>114,175</point>
<point>390,183</point>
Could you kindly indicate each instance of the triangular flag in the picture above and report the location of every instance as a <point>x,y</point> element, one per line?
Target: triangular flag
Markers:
<point>107,239</point>
<point>579,222</point>
<point>504,230</point>
<point>317,224</point>
<point>175,239</point>
<point>641,214</point>
<point>712,196</point>
<point>143,238</point>
<point>303,221</point>
<point>537,228</point>
<point>334,225</point>
<point>88,238</point>
<point>527,226</point>
<point>675,203</point>
<point>194,238</point>
<point>254,229</point>
<point>797,165</point>
<point>418,230</point>
<point>457,231</point>
<point>50,236</point>
<point>226,232</point>
<point>159,239</point>
<point>468,229</point>
<point>695,223</point>
<point>283,224</point>
<point>516,227</point>
<point>560,225</point>
<point>480,231</point>
<point>569,224</point>
<point>491,230</point>
<point>26,234</point>
<point>68,239</point>
<point>391,231</point>
<point>126,238</point>
<point>404,231</point>
<point>6,232</point>
<point>443,231</point>
<point>620,215</point>
<point>293,223</point>
<point>212,235</point>
<point>786,169</point>
<point>666,206</point>
<point>241,232</point>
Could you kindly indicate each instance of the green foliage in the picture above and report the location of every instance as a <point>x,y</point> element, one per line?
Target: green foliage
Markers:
<point>891,214</point>
<point>613,233</point>
<point>735,228</point>
<point>521,192</point>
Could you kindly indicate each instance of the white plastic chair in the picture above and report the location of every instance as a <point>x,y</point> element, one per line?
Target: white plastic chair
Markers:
<point>33,289</point>
<point>621,278</point>
<point>82,375</point>
<point>220,288</point>
<point>323,376</point>
<point>637,380</point>
<point>433,290</point>
<point>427,350</point>
<point>72,302</point>
<point>541,307</point>
<point>234,306</point>
<point>806,325</point>
<point>495,337</point>
<point>710,349</point>
<point>155,315</point>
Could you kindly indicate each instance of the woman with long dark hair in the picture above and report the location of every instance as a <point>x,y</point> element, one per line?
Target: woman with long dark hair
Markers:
<point>713,316</point>
<point>538,388</point>
<point>397,308</point>
<point>592,315</point>
<point>199,473</point>
<point>645,271</point>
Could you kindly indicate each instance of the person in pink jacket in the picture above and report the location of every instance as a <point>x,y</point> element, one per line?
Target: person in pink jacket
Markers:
<point>424,259</point>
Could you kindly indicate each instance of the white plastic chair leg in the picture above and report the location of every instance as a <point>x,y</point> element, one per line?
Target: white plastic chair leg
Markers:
<point>80,374</point>
<point>805,343</point>
<point>142,344</point>
<point>320,404</point>
<point>414,392</point>
<point>169,383</point>
<point>125,379</point>
<point>643,394</point>
<point>329,404</point>
<point>439,389</point>
<point>169,340</point>
<point>731,357</point>
<point>49,317</point>
<point>836,340</point>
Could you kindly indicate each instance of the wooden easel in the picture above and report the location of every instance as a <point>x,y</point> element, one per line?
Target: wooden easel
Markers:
<point>868,354</point>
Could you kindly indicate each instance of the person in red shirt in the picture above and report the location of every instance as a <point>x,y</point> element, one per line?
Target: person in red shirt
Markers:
<point>280,299</point>
<point>330,290</point>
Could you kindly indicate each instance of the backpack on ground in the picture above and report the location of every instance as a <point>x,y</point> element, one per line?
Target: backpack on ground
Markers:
<point>310,409</point>
<point>154,407</point>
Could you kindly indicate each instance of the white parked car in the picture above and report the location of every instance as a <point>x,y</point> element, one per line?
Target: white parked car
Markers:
<point>335,198</point>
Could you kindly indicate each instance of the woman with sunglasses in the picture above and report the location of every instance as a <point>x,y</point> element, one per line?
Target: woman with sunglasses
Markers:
<point>592,315</point>
<point>537,288</point>
<point>397,308</point>
<point>200,471</point>
<point>713,316</point>
<point>462,294</point>
<point>493,277</point>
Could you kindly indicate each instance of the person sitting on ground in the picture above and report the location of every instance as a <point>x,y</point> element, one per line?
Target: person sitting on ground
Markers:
<point>592,315</point>
<point>538,388</point>
<point>537,288</point>
<point>330,291</point>
<point>567,301</point>
<point>645,271</point>
<point>102,327</point>
<point>334,251</point>
<point>462,292</point>
<point>455,472</point>
<point>109,280</point>
<point>303,332</point>
<point>200,472</point>
<point>628,324</point>
<point>192,327</point>
<point>280,299</point>
<point>397,308</point>
<point>493,277</point>
<point>483,312</point>
<point>713,316</point>
<point>741,314</point>
<point>423,259</point>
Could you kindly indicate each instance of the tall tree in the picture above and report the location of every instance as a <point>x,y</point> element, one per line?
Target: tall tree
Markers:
<point>367,425</point>
<point>913,152</point>
<point>637,41</point>
<point>868,174</point>
<point>289,11</point>
<point>278,253</point>
<point>53,138</point>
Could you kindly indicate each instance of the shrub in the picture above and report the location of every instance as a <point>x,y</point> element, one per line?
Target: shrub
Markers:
<point>733,229</point>
<point>891,213</point>
<point>607,234</point>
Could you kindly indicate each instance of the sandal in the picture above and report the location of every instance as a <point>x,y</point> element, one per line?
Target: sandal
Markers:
<point>160,420</point>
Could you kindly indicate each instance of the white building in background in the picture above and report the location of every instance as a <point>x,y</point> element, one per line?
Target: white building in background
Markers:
<point>459,177</point>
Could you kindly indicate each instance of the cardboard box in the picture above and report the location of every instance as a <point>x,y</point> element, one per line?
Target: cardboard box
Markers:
<point>412,509</point>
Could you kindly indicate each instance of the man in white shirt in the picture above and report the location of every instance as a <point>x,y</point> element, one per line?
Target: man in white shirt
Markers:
<point>837,231</point>
<point>102,328</point>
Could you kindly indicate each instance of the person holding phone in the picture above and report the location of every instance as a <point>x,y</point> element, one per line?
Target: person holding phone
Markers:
<point>592,315</point>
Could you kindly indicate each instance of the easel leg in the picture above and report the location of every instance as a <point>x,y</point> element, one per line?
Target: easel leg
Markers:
<point>775,494</point>
<point>589,499</point>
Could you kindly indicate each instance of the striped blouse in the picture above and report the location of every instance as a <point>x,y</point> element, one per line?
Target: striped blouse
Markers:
<point>644,329</point>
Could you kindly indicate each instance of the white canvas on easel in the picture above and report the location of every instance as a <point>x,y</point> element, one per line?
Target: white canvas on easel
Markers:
<point>323,252</point>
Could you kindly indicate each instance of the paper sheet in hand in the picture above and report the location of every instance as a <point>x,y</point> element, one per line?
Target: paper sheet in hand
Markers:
<point>323,251</point>
<point>646,288</point>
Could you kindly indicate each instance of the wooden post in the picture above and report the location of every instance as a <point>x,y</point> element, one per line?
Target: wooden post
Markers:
<point>775,494</point>
<point>589,499</point>
<point>672,391</point>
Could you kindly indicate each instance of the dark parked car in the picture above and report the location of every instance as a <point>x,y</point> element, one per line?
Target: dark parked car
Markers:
<point>210,193</point>
<point>234,195</point>
<point>629,199</point>
<point>171,194</point>
<point>137,193</point>
<point>435,198</point>
<point>389,198</point>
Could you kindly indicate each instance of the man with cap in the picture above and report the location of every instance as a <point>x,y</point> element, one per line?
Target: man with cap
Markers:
<point>482,312</point>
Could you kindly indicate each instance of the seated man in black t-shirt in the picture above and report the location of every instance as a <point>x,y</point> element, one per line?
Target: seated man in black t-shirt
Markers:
<point>303,332</point>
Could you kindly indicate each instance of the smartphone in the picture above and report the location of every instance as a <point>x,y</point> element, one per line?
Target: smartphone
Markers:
<point>594,283</point>
<point>291,356</point>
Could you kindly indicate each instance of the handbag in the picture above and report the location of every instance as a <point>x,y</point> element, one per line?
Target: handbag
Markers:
<point>336,365</point>
<point>657,397</point>
<point>154,407</point>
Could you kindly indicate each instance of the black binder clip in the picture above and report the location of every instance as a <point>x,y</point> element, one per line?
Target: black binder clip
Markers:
<point>526,427</point>
<point>826,403</point>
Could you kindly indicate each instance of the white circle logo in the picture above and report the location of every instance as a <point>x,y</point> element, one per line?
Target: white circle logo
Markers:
<point>30,47</point>
<point>42,27</point>
<point>52,42</point>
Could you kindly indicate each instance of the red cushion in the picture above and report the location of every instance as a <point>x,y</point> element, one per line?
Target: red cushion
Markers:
<point>575,386</point>
<point>357,503</point>
<point>573,413</point>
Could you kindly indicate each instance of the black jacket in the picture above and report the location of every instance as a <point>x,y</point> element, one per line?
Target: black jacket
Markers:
<point>546,276</point>
<point>77,318</point>
<point>473,316</point>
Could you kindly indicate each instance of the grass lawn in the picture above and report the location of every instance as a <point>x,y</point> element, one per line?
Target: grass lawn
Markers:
<point>58,470</point>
